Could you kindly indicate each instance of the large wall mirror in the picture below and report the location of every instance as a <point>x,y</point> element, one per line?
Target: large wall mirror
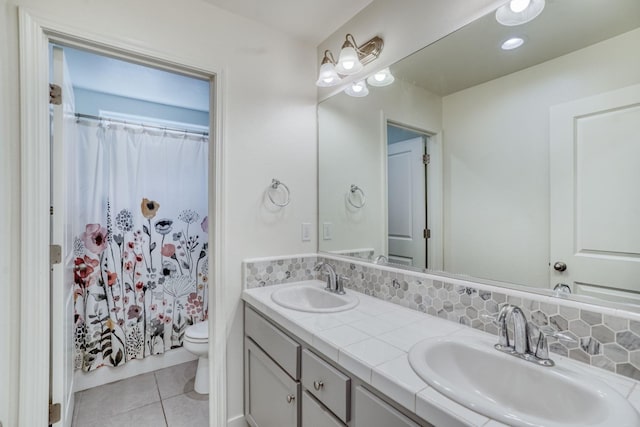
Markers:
<point>519,166</point>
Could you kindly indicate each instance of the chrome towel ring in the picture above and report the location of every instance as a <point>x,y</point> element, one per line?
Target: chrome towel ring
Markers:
<point>352,191</point>
<point>275,184</point>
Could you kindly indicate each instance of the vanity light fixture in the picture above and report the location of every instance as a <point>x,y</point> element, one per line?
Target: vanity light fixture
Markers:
<point>381,78</point>
<point>357,89</point>
<point>351,60</point>
<point>328,75</point>
<point>512,43</point>
<point>518,12</point>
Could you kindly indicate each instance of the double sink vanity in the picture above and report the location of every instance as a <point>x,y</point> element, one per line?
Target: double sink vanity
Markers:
<point>314,357</point>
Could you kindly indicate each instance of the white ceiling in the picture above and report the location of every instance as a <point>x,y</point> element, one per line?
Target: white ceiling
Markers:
<point>309,20</point>
<point>472,55</point>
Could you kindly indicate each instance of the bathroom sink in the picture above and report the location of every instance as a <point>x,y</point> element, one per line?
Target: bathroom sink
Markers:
<point>471,372</point>
<point>312,298</point>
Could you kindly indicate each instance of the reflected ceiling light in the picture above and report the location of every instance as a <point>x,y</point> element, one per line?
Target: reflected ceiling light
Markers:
<point>351,60</point>
<point>328,75</point>
<point>381,78</point>
<point>512,43</point>
<point>357,89</point>
<point>518,12</point>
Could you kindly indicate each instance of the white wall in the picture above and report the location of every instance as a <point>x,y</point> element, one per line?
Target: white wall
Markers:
<point>353,150</point>
<point>92,102</point>
<point>497,159</point>
<point>269,131</point>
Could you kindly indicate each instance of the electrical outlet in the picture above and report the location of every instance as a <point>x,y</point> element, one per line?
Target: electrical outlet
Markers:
<point>326,230</point>
<point>306,231</point>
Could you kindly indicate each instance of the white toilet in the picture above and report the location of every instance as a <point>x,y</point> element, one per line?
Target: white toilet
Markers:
<point>196,340</point>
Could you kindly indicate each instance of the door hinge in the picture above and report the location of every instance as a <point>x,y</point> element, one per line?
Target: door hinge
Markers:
<point>426,233</point>
<point>55,254</point>
<point>55,413</point>
<point>55,94</point>
<point>426,159</point>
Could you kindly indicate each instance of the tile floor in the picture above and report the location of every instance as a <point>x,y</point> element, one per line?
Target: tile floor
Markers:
<point>160,398</point>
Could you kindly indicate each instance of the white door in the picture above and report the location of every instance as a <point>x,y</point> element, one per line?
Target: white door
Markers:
<point>406,200</point>
<point>595,199</point>
<point>62,273</point>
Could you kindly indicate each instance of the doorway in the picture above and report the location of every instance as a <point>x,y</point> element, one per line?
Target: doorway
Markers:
<point>407,159</point>
<point>129,168</point>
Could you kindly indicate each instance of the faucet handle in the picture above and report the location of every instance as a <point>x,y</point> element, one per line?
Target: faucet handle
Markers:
<point>492,318</point>
<point>539,339</point>
<point>340,285</point>
<point>550,331</point>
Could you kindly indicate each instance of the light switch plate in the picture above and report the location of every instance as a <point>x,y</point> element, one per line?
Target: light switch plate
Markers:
<point>326,230</point>
<point>306,231</point>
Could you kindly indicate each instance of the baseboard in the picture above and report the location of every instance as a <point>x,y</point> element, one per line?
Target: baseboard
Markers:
<point>108,374</point>
<point>237,421</point>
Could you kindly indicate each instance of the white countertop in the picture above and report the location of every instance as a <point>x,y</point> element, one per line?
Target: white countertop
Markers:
<point>372,342</point>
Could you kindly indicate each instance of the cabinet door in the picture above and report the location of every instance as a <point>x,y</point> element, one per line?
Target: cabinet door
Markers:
<point>272,398</point>
<point>316,415</point>
<point>370,411</point>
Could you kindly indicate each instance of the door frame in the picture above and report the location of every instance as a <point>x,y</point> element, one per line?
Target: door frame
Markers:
<point>35,32</point>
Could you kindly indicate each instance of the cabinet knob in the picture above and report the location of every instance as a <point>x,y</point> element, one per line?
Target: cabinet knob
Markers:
<point>318,385</point>
<point>290,398</point>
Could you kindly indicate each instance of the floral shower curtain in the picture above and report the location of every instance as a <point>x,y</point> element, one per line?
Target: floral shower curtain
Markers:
<point>140,254</point>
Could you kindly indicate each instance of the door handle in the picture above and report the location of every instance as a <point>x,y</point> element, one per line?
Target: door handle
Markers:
<point>559,266</point>
<point>290,398</point>
<point>318,385</point>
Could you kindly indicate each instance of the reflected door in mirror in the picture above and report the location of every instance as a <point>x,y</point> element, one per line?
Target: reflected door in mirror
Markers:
<point>407,202</point>
<point>595,200</point>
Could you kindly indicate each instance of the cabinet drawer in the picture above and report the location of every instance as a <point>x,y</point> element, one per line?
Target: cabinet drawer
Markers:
<point>371,411</point>
<point>327,384</point>
<point>316,415</point>
<point>272,398</point>
<point>281,348</point>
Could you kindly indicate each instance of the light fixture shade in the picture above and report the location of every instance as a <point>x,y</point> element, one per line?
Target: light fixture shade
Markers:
<point>327,75</point>
<point>357,89</point>
<point>348,61</point>
<point>508,17</point>
<point>381,78</point>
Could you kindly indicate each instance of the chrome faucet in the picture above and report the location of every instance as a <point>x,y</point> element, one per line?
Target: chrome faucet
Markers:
<point>527,344</point>
<point>332,281</point>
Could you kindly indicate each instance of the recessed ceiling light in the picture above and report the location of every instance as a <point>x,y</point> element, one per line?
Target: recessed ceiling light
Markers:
<point>518,6</point>
<point>512,43</point>
<point>518,12</point>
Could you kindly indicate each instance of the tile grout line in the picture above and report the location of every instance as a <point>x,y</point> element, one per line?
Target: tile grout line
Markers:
<point>164,415</point>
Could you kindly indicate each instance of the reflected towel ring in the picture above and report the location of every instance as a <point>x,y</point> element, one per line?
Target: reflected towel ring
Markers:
<point>354,188</point>
<point>275,183</point>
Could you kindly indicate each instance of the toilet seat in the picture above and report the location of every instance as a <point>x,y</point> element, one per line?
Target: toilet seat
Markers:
<point>198,332</point>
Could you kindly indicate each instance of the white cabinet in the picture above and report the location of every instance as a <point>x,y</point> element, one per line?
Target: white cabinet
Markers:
<point>314,414</point>
<point>288,385</point>
<point>371,411</point>
<point>327,384</point>
<point>272,398</point>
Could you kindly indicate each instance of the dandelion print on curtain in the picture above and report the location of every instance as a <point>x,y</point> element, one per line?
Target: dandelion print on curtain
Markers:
<point>140,253</point>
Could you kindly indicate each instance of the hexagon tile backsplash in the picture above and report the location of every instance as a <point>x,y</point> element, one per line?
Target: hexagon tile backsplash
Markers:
<point>602,337</point>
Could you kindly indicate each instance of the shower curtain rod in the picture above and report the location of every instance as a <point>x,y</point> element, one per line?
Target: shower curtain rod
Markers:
<point>142,125</point>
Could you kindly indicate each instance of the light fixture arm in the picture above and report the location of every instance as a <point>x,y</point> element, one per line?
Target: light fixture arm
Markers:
<point>368,51</point>
<point>328,58</point>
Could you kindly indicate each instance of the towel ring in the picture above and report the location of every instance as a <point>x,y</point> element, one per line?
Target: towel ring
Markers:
<point>275,183</point>
<point>354,188</point>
